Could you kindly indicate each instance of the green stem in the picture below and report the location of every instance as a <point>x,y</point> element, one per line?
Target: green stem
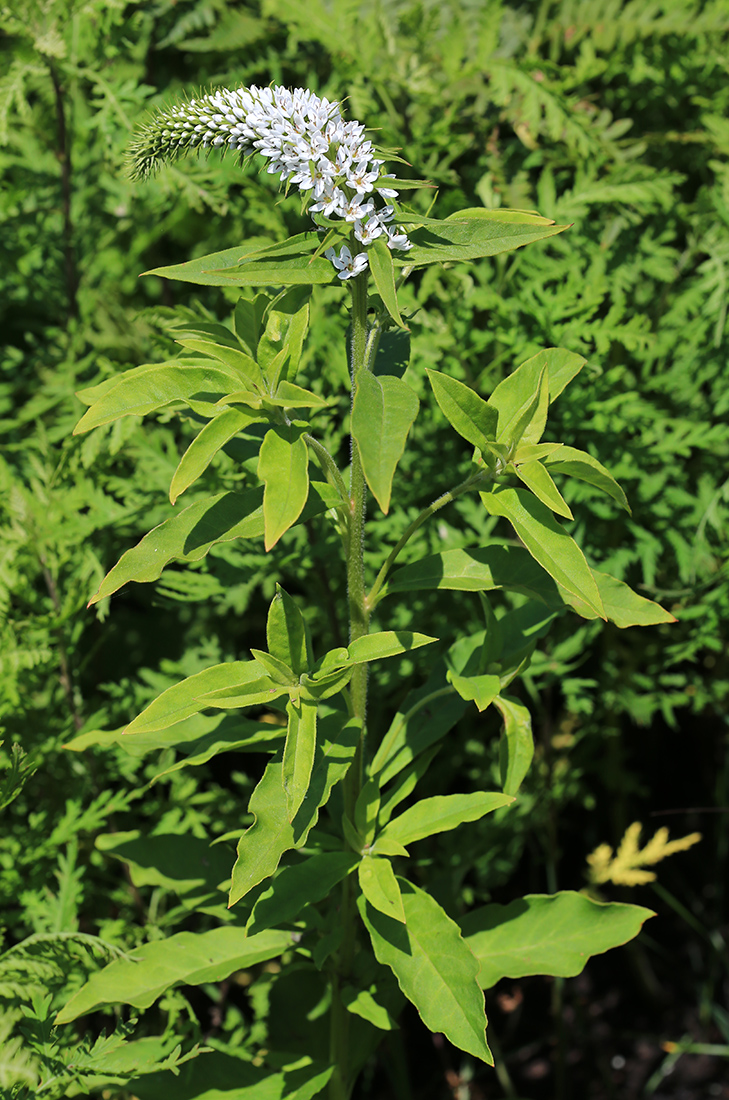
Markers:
<point>470,483</point>
<point>341,1081</point>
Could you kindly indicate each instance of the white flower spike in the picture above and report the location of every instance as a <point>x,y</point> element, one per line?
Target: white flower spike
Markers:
<point>304,138</point>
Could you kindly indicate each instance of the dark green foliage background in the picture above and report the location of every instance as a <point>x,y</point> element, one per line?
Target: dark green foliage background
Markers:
<point>611,116</point>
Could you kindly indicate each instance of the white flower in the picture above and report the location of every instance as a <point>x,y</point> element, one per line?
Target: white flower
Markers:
<point>347,265</point>
<point>305,140</point>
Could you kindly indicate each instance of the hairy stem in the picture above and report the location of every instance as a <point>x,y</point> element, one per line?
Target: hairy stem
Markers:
<point>341,1082</point>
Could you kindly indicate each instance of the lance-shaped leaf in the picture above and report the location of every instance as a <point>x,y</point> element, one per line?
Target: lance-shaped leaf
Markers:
<point>386,643</point>
<point>481,569</point>
<point>435,242</point>
<point>361,1002</point>
<point>442,813</point>
<point>298,758</point>
<point>187,958</point>
<point>434,968</point>
<point>286,633</point>
<point>205,446</point>
<point>623,606</point>
<point>218,1076</point>
<point>262,845</point>
<point>190,866</point>
<point>580,464</point>
<point>547,542</point>
<point>258,263</point>
<point>383,272</point>
<point>535,477</point>
<point>150,387</point>
<point>366,809</point>
<point>242,364</point>
<point>290,396</point>
<point>423,719</point>
<point>297,886</point>
<point>189,535</point>
<point>182,700</point>
<point>379,885</point>
<point>482,690</point>
<point>383,412</point>
<point>522,400</point>
<point>561,365</point>
<point>547,934</point>
<point>283,467</point>
<point>516,748</point>
<point>468,413</point>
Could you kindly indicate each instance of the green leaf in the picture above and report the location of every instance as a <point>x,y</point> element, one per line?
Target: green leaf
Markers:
<point>153,386</point>
<point>623,606</point>
<point>386,643</point>
<point>562,366</point>
<point>547,934</point>
<point>405,785</point>
<point>189,535</point>
<point>187,958</point>
<point>218,1076</point>
<point>366,809</point>
<point>287,264</point>
<point>205,446</point>
<point>442,813</point>
<point>383,273</point>
<point>521,401</point>
<point>482,690</point>
<point>468,413</point>
<point>290,396</point>
<point>537,479</point>
<point>262,845</point>
<point>283,467</point>
<point>184,699</point>
<point>434,968</point>
<point>580,464</point>
<point>437,242</point>
<point>516,748</point>
<point>279,671</point>
<point>243,365</point>
<point>383,412</point>
<point>298,758</point>
<point>297,886</point>
<point>188,865</point>
<point>482,569</point>
<point>286,633</point>
<point>547,542</point>
<point>361,1002</point>
<point>379,885</point>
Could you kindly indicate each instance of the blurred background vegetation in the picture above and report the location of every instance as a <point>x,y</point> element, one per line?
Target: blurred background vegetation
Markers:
<point>609,115</point>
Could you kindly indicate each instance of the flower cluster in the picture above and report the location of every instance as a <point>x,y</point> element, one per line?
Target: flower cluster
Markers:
<point>305,139</point>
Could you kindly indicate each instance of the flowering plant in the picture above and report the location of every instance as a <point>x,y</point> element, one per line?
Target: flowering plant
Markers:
<point>321,878</point>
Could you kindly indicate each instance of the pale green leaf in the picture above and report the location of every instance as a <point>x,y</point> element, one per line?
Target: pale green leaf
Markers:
<point>443,241</point>
<point>379,885</point>
<point>286,633</point>
<point>283,467</point>
<point>383,411</point>
<point>434,968</point>
<point>468,413</point>
<point>187,958</point>
<point>521,401</point>
<point>547,934</point>
<point>262,845</point>
<point>547,542</point>
<point>153,386</point>
<point>198,456</point>
<point>290,263</point>
<point>482,690</point>
<point>298,758</point>
<point>386,643</point>
<point>242,364</point>
<point>183,699</point>
<point>189,535</point>
<point>297,886</point>
<point>188,865</point>
<point>218,1076</point>
<point>361,1002</point>
<point>516,748</point>
<point>623,606</point>
<point>442,813</point>
<point>481,569</point>
<point>537,479</point>
<point>580,464</point>
<point>383,273</point>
